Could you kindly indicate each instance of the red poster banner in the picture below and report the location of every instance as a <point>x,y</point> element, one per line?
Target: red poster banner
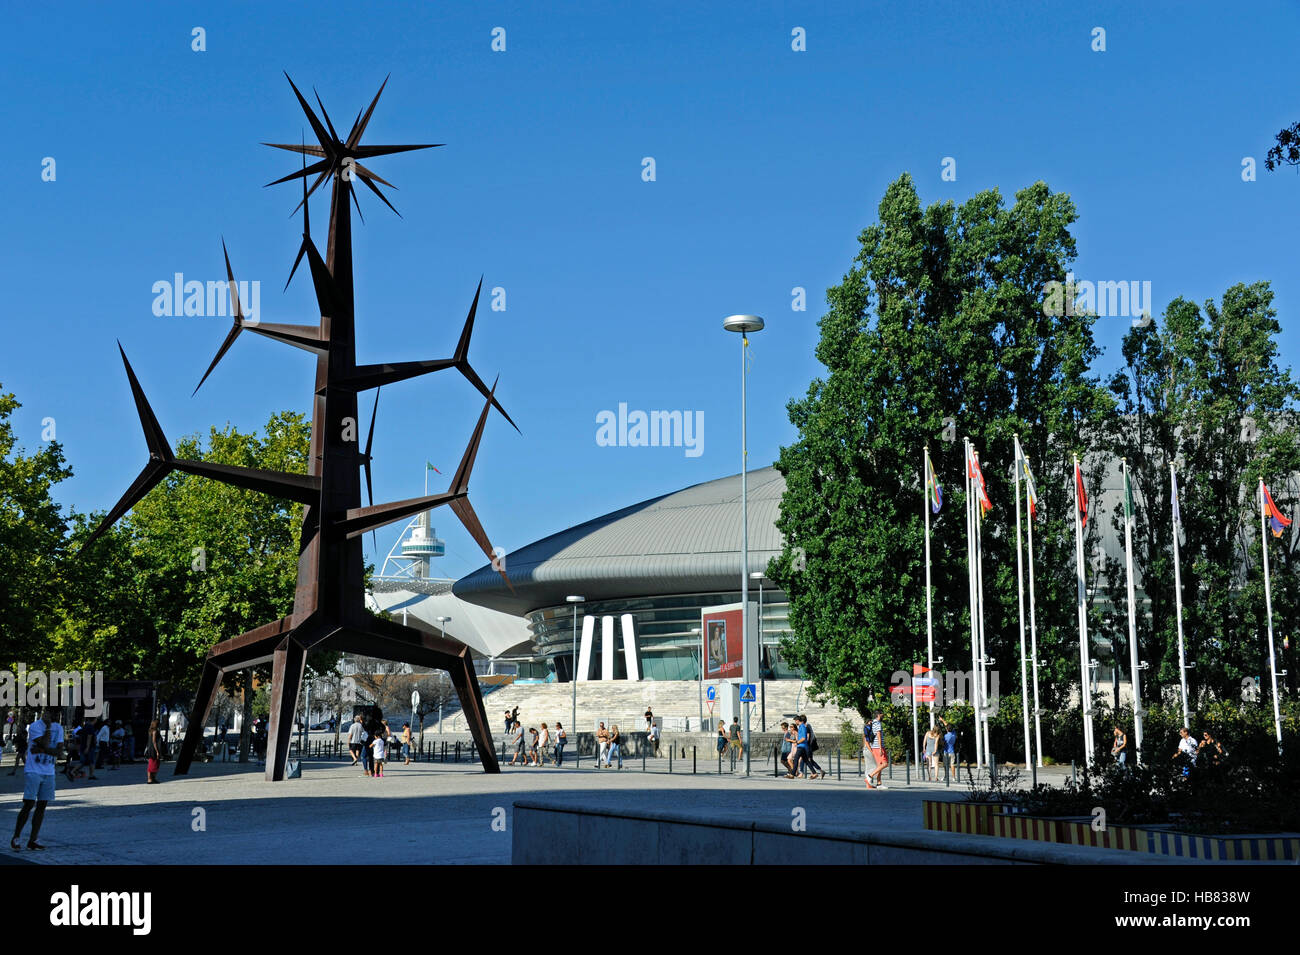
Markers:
<point>723,644</point>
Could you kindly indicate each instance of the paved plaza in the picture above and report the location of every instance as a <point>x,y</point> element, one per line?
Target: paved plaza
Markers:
<point>419,814</point>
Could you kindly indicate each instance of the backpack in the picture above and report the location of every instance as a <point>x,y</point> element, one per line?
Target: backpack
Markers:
<point>869,733</point>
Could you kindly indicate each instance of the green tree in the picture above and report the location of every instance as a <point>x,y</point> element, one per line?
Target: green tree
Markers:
<point>32,530</point>
<point>194,563</point>
<point>941,316</point>
<point>1203,389</point>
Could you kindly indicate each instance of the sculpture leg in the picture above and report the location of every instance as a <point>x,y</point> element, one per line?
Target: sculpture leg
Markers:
<point>286,677</point>
<point>209,685</point>
<point>471,704</point>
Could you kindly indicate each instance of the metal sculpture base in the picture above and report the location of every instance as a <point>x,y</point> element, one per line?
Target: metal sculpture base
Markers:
<point>286,647</point>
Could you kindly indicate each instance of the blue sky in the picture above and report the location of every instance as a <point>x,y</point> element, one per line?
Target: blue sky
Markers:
<point>769,162</point>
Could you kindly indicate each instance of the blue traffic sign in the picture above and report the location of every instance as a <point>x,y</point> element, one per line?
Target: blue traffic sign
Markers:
<point>747,692</point>
<point>711,693</point>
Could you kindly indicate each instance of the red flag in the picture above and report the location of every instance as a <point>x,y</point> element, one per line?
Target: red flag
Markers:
<point>1082,494</point>
<point>1278,522</point>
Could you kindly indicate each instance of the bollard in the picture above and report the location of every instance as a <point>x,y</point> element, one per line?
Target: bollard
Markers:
<point>947,771</point>
<point>776,764</point>
<point>747,755</point>
<point>458,751</point>
<point>1033,774</point>
<point>670,758</point>
<point>861,770</point>
<point>891,769</point>
<point>1074,776</point>
<point>907,767</point>
<point>643,759</point>
<point>993,769</point>
<point>839,766</point>
<point>719,763</point>
<point>694,755</point>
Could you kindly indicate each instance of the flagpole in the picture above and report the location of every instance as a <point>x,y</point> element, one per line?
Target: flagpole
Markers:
<point>1268,611</point>
<point>1085,693</point>
<point>929,619</point>
<point>1134,670</point>
<point>1020,582</point>
<point>1178,596</point>
<point>1033,646</point>
<point>974,626</point>
<point>979,567</point>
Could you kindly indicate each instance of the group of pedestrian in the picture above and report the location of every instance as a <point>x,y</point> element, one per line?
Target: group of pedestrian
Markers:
<point>1189,752</point>
<point>798,743</point>
<point>42,741</point>
<point>97,745</point>
<point>534,746</point>
<point>370,741</point>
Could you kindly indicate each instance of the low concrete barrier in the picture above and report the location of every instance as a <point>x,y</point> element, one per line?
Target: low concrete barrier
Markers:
<point>554,833</point>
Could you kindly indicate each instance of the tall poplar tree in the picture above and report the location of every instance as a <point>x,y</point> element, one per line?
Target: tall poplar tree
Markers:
<point>938,331</point>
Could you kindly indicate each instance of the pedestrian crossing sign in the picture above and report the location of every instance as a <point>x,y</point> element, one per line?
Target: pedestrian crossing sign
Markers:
<point>747,693</point>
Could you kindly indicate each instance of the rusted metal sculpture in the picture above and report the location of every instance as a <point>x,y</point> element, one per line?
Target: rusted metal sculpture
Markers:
<point>329,604</point>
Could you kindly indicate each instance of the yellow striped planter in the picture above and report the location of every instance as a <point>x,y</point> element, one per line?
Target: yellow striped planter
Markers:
<point>1025,827</point>
<point>968,817</point>
<point>1112,837</point>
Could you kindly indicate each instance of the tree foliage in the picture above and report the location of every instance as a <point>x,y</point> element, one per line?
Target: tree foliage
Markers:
<point>1202,389</point>
<point>940,317</point>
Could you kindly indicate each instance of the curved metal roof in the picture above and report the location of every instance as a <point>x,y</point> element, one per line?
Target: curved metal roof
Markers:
<point>680,543</point>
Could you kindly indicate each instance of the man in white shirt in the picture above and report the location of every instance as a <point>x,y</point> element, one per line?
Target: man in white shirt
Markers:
<point>44,737</point>
<point>101,743</point>
<point>1186,751</point>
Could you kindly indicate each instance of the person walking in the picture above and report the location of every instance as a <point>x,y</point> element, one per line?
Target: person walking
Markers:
<point>544,743</point>
<point>153,753</point>
<point>722,738</point>
<point>737,744</point>
<point>561,738</point>
<point>406,744</point>
<point>1119,748</point>
<point>380,748</point>
<point>878,747</point>
<point>103,737</point>
<point>1210,747</point>
<point>1187,750</point>
<point>512,717</point>
<point>652,738</point>
<point>800,749</point>
<point>517,737</point>
<point>44,737</point>
<point>614,750</point>
<point>20,746</point>
<point>813,746</point>
<point>88,747</point>
<point>931,752</point>
<point>786,745</point>
<point>356,738</point>
<point>534,744</point>
<point>950,748</point>
<point>602,746</point>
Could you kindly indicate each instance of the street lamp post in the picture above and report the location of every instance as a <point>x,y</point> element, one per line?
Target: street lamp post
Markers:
<point>573,675</point>
<point>442,628</point>
<point>762,684</point>
<point>744,324</point>
<point>700,647</point>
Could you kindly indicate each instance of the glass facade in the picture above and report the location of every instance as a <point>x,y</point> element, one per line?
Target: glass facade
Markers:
<point>667,648</point>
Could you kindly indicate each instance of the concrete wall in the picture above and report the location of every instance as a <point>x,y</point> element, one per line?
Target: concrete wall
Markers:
<point>547,833</point>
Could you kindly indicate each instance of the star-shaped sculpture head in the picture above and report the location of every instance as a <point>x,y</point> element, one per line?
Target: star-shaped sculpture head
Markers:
<point>341,157</point>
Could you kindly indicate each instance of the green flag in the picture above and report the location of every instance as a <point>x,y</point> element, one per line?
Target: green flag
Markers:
<point>1128,495</point>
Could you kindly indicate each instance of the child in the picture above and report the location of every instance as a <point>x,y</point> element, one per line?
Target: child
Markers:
<point>379,749</point>
<point>532,749</point>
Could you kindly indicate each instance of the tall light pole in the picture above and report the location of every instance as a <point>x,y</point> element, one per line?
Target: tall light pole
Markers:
<point>573,675</point>
<point>744,324</point>
<point>699,645</point>
<point>442,628</point>
<point>762,706</point>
